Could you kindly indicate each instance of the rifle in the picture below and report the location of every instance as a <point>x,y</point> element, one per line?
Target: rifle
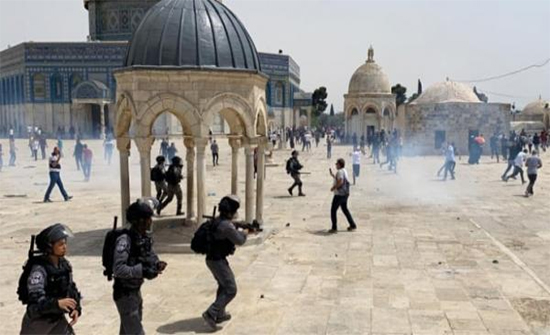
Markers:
<point>252,227</point>
<point>213,217</point>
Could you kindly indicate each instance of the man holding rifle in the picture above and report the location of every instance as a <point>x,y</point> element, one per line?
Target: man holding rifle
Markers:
<point>225,236</point>
<point>293,168</point>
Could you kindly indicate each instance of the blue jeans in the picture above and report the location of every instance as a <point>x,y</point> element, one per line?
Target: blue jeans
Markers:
<point>55,179</point>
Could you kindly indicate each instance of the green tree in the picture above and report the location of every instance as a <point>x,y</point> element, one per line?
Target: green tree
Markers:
<point>318,100</point>
<point>331,110</point>
<point>400,94</point>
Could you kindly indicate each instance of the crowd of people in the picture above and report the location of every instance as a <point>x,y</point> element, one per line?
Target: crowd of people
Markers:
<point>132,259</point>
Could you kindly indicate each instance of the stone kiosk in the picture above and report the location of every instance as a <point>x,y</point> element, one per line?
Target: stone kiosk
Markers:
<point>195,60</point>
<point>369,105</point>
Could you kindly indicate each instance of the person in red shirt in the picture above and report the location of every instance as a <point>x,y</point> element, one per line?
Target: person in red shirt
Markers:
<point>87,156</point>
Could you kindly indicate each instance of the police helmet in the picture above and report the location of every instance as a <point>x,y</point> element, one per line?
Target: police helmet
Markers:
<point>141,209</point>
<point>177,161</point>
<point>49,236</point>
<point>161,159</point>
<point>229,204</point>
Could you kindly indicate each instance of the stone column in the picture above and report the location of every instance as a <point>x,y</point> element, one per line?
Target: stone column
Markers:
<point>201,175</point>
<point>144,147</point>
<point>190,160</point>
<point>123,146</point>
<point>235,146</point>
<point>309,111</point>
<point>260,182</point>
<point>249,188</point>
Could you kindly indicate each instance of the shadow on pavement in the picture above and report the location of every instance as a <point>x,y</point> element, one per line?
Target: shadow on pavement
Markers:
<point>195,325</point>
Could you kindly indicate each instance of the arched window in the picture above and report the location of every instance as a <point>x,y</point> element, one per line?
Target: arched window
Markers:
<point>74,81</point>
<point>371,111</point>
<point>354,112</point>
<point>56,87</point>
<point>387,112</point>
<point>279,94</point>
<point>39,86</point>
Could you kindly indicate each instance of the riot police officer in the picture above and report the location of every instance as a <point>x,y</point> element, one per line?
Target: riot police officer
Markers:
<point>47,287</point>
<point>173,178</point>
<point>134,260</point>
<point>225,237</point>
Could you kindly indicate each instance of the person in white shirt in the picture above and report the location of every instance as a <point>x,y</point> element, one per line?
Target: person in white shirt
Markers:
<point>340,188</point>
<point>356,158</point>
<point>55,178</point>
<point>518,166</point>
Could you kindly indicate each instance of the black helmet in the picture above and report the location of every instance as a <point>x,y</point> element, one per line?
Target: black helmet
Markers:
<point>141,209</point>
<point>177,161</point>
<point>160,159</point>
<point>229,204</point>
<point>47,237</point>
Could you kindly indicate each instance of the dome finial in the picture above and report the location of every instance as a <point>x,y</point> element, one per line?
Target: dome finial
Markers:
<point>370,55</point>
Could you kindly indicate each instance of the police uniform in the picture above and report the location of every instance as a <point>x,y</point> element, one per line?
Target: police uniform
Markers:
<point>173,178</point>
<point>295,168</point>
<point>226,236</point>
<point>46,284</point>
<point>134,260</point>
<point>160,185</point>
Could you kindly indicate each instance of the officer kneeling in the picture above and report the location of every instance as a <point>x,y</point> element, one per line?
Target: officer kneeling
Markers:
<point>225,237</point>
<point>46,285</point>
<point>134,260</point>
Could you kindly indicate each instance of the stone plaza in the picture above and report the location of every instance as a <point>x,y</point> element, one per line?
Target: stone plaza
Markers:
<point>463,257</point>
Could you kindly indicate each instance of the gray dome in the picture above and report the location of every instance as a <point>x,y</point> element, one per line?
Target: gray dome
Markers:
<point>192,34</point>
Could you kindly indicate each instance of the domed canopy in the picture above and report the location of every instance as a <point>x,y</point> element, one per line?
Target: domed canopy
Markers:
<point>538,107</point>
<point>447,91</point>
<point>369,78</point>
<point>192,34</point>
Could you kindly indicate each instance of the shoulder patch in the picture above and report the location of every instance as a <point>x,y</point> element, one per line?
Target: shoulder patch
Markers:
<point>122,244</point>
<point>36,278</point>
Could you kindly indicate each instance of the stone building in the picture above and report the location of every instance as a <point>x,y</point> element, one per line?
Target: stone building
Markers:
<point>369,105</point>
<point>195,60</point>
<point>535,116</point>
<point>450,112</point>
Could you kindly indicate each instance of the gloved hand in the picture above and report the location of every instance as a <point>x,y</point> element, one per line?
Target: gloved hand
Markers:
<point>149,272</point>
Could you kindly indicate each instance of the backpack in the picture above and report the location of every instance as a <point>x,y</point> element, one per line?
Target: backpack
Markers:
<point>157,174</point>
<point>288,168</point>
<point>202,240</point>
<point>109,245</point>
<point>345,188</point>
<point>33,259</point>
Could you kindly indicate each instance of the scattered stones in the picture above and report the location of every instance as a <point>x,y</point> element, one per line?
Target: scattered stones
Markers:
<point>15,195</point>
<point>288,224</point>
<point>261,296</point>
<point>495,261</point>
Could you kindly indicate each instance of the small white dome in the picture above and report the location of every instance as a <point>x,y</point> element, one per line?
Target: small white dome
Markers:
<point>538,107</point>
<point>447,91</point>
<point>369,78</point>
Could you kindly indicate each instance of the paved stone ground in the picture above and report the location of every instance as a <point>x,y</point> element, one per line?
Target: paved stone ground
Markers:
<point>462,257</point>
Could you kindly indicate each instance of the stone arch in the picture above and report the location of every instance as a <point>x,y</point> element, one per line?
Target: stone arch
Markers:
<point>369,107</point>
<point>236,111</point>
<point>125,113</point>
<point>182,109</point>
<point>261,124</point>
<point>350,110</point>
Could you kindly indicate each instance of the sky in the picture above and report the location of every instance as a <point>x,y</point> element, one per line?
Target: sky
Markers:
<point>329,39</point>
